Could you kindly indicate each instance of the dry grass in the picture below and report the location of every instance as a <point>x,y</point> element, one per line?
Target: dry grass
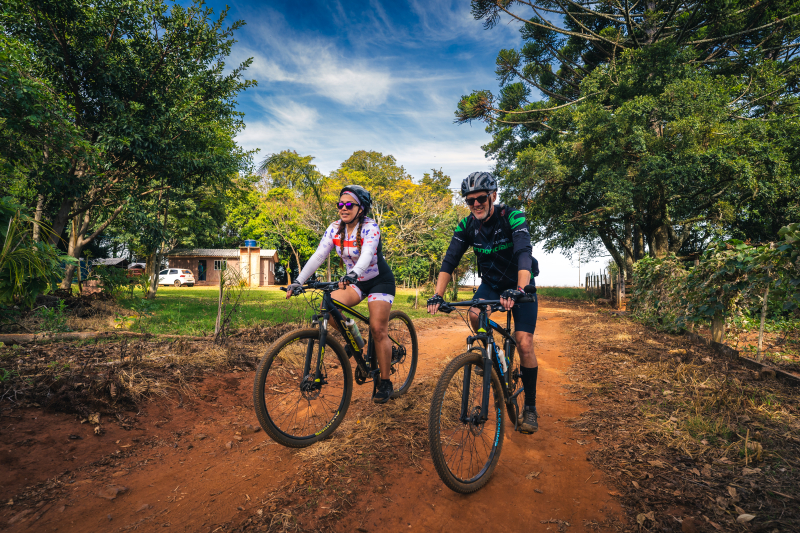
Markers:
<point>334,469</point>
<point>680,428</point>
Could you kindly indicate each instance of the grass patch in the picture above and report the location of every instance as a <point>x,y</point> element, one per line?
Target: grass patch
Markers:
<point>193,311</point>
<point>569,293</point>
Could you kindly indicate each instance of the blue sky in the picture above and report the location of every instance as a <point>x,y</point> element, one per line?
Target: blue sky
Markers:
<point>335,77</point>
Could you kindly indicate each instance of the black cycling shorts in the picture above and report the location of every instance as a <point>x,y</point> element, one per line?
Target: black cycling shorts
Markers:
<point>524,314</point>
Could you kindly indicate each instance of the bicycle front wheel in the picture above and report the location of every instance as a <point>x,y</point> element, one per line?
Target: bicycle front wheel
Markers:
<point>465,449</point>
<point>293,408</point>
<point>403,337</point>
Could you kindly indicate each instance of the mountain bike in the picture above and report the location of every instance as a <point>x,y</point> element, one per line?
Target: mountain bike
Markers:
<point>467,419</point>
<point>302,391</point>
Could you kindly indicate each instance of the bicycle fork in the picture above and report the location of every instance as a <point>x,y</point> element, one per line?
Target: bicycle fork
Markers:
<point>466,416</point>
<point>323,338</point>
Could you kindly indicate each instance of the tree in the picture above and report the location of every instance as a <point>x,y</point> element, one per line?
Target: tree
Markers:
<point>416,220</point>
<point>438,181</point>
<point>288,169</point>
<point>380,170</point>
<point>162,114</point>
<point>660,120</point>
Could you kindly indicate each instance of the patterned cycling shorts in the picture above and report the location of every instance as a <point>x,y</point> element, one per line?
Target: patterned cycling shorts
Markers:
<point>378,289</point>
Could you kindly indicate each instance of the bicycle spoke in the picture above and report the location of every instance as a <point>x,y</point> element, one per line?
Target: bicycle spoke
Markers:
<point>295,411</point>
<point>403,343</point>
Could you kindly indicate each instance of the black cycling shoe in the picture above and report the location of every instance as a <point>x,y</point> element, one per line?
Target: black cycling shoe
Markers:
<point>479,370</point>
<point>383,391</point>
<point>530,420</point>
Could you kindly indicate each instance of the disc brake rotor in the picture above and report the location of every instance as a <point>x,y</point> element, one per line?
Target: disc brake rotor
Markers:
<point>475,425</point>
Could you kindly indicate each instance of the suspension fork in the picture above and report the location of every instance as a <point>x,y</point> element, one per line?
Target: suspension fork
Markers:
<point>323,338</point>
<point>487,365</point>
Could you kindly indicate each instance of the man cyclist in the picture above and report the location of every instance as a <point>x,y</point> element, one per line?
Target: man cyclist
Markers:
<point>502,245</point>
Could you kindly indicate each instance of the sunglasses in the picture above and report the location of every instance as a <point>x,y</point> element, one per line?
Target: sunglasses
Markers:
<point>479,199</point>
<point>347,205</point>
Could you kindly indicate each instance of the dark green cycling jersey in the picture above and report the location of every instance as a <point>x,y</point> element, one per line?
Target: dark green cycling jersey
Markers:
<point>502,245</point>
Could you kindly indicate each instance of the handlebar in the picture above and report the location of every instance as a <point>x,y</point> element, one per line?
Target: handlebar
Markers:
<point>530,296</point>
<point>327,286</point>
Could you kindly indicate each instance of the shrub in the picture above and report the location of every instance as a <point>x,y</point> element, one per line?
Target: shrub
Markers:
<point>27,268</point>
<point>730,278</point>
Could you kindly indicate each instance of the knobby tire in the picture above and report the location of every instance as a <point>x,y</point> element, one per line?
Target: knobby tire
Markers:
<point>278,380</point>
<point>406,370</point>
<point>444,413</point>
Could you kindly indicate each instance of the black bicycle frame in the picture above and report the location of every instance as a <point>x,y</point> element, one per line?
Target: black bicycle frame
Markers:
<point>331,308</point>
<point>485,327</point>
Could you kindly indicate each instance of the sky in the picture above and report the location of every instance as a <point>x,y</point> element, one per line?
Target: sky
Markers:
<point>336,77</point>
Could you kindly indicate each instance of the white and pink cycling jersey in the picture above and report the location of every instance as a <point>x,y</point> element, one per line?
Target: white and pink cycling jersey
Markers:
<point>364,264</point>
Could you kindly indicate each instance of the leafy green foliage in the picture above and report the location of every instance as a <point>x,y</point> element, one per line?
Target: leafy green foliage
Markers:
<point>663,125</point>
<point>27,268</point>
<point>54,319</point>
<point>113,281</point>
<point>729,279</point>
<point>151,107</point>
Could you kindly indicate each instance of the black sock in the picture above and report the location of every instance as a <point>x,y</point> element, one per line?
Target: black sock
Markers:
<point>529,376</point>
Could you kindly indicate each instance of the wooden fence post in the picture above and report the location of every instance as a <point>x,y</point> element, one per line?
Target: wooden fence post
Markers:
<point>619,291</point>
<point>760,353</point>
<point>718,327</point>
<point>218,325</point>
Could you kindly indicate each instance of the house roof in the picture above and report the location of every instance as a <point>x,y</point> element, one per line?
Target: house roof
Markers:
<point>111,261</point>
<point>214,252</point>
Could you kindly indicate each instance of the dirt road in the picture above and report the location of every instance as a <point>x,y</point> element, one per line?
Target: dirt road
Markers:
<point>195,464</point>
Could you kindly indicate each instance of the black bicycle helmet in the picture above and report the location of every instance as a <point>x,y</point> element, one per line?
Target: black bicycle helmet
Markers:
<point>478,181</point>
<point>362,195</point>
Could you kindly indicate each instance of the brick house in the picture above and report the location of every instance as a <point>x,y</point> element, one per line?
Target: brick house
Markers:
<point>252,263</point>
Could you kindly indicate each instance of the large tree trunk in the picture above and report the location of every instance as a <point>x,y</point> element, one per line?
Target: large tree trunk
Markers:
<point>151,271</point>
<point>630,246</point>
<point>608,242</point>
<point>157,255</point>
<point>638,242</point>
<point>660,244</point>
<point>60,221</point>
<point>78,242</point>
<point>37,233</point>
<point>74,249</point>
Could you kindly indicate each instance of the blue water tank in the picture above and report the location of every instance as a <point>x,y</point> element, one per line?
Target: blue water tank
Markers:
<point>251,243</point>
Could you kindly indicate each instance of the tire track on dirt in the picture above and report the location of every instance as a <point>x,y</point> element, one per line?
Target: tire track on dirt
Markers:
<point>542,483</point>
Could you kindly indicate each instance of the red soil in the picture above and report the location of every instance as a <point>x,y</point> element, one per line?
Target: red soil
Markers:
<point>174,477</point>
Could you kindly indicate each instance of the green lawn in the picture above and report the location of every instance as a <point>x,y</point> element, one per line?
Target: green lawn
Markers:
<point>193,311</point>
<point>570,293</point>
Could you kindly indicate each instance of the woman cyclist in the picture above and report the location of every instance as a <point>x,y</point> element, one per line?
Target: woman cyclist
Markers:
<point>356,239</point>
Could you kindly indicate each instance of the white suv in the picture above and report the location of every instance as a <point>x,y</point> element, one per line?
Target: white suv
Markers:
<point>176,276</point>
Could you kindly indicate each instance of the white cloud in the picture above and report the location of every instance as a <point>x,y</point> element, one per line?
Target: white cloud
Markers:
<point>285,57</point>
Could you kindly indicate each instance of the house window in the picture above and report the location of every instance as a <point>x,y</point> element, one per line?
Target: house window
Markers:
<point>220,264</point>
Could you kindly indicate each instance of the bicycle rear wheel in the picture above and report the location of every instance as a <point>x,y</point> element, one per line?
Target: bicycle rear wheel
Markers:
<point>294,409</point>
<point>403,336</point>
<point>465,453</point>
